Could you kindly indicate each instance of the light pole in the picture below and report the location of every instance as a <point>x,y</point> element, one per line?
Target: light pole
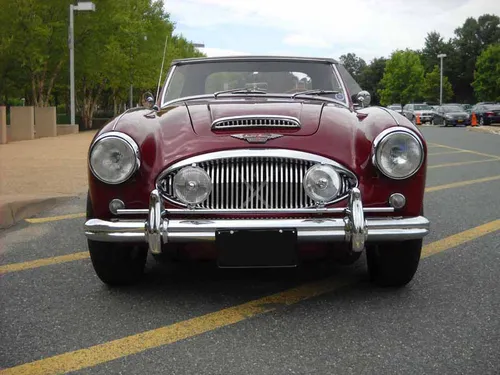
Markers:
<point>82,6</point>
<point>441,56</point>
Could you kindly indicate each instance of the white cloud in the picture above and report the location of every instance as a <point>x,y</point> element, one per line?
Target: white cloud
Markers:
<point>302,40</point>
<point>369,28</point>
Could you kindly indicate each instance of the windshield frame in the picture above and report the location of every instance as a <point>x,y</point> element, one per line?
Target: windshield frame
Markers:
<point>333,65</point>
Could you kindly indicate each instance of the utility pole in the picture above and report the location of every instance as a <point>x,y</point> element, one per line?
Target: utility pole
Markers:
<point>441,56</point>
<point>82,6</point>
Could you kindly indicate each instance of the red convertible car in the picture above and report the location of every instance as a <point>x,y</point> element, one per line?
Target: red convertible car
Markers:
<point>257,161</point>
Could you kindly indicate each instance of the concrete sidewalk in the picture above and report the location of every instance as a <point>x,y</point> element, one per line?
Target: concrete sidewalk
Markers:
<point>35,174</point>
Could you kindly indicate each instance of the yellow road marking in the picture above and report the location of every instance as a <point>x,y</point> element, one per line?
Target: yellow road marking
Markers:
<point>445,153</point>
<point>460,183</point>
<point>134,344</point>
<point>460,238</point>
<point>465,150</point>
<point>15,267</point>
<point>460,163</point>
<point>54,218</point>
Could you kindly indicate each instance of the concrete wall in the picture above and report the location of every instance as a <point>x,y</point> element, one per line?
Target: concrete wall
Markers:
<point>3,125</point>
<point>22,120</point>
<point>67,129</point>
<point>45,122</point>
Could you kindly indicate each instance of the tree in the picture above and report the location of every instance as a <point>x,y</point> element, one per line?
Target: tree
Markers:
<point>403,78</point>
<point>470,40</point>
<point>353,64</point>
<point>435,45</point>
<point>487,74</point>
<point>371,76</point>
<point>432,84</point>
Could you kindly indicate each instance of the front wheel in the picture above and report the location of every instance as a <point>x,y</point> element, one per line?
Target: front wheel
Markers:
<point>393,264</point>
<point>116,264</point>
<point>445,123</point>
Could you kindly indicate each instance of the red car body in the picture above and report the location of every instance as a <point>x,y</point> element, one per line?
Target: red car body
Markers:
<point>182,129</point>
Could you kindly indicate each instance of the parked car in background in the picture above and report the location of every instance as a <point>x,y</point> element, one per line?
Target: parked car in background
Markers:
<point>486,113</point>
<point>257,178</point>
<point>396,107</point>
<point>451,114</point>
<point>423,110</point>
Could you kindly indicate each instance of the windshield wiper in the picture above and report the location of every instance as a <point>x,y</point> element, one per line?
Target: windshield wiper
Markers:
<point>314,92</point>
<point>243,90</point>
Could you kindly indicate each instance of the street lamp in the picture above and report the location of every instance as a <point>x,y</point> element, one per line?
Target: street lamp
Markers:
<point>441,56</point>
<point>82,6</point>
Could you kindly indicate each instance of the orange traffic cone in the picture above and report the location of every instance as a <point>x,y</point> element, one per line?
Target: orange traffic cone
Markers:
<point>417,120</point>
<point>473,120</point>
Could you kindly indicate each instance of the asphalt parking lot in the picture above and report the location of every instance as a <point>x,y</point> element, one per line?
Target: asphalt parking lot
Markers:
<point>57,317</point>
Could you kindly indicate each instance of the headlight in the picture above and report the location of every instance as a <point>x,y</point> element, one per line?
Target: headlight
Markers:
<point>114,157</point>
<point>398,154</point>
<point>192,185</point>
<point>322,183</point>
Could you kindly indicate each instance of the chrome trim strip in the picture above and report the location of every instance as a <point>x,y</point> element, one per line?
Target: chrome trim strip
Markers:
<point>165,86</point>
<point>294,120</point>
<point>382,136</point>
<point>129,141</point>
<point>229,211</point>
<point>308,230</point>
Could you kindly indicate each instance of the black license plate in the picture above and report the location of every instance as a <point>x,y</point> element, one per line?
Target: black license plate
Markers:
<point>257,248</point>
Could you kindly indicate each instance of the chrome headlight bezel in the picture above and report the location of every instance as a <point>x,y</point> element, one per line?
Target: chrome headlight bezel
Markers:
<point>383,137</point>
<point>129,142</point>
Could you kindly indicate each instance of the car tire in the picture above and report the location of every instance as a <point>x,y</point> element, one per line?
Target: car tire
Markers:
<point>481,120</point>
<point>445,123</point>
<point>393,264</point>
<point>116,264</point>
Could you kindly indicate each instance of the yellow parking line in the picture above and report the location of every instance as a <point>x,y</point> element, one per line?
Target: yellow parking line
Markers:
<point>40,220</point>
<point>134,344</point>
<point>460,183</point>
<point>460,163</point>
<point>15,267</point>
<point>445,153</point>
<point>465,150</point>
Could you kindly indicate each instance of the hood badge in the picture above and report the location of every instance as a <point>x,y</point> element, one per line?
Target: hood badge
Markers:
<point>257,137</point>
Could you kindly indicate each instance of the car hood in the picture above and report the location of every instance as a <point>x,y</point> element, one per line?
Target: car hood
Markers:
<point>203,115</point>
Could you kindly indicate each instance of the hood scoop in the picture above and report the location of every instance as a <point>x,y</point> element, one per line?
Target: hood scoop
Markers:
<point>256,122</point>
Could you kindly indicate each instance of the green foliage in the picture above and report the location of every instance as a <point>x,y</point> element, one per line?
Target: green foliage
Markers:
<point>403,78</point>
<point>119,44</point>
<point>371,76</point>
<point>353,64</point>
<point>432,84</point>
<point>487,74</point>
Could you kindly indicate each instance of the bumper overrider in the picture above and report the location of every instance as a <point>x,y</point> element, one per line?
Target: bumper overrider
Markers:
<point>353,228</point>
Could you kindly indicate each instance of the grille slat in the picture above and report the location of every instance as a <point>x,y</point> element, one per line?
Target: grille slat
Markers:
<point>257,121</point>
<point>247,183</point>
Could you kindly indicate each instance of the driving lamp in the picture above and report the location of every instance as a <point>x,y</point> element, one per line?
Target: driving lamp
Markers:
<point>192,185</point>
<point>114,158</point>
<point>322,183</point>
<point>398,154</point>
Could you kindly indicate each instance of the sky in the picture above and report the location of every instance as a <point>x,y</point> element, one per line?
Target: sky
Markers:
<point>319,28</point>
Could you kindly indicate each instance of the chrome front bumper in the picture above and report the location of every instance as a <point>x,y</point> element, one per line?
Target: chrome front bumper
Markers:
<point>353,228</point>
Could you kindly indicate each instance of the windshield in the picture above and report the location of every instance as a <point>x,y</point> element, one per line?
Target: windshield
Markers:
<point>272,76</point>
<point>420,107</point>
<point>492,107</point>
<point>453,108</point>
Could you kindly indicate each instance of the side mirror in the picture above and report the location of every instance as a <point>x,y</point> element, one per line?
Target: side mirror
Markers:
<point>363,98</point>
<point>148,100</point>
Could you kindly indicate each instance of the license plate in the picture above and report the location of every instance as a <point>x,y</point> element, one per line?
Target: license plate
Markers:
<point>256,248</point>
<point>460,120</point>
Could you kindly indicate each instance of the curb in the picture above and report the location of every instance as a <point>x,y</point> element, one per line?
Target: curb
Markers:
<point>16,208</point>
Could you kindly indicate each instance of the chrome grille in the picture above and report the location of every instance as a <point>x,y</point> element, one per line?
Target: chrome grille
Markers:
<point>247,183</point>
<point>264,121</point>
